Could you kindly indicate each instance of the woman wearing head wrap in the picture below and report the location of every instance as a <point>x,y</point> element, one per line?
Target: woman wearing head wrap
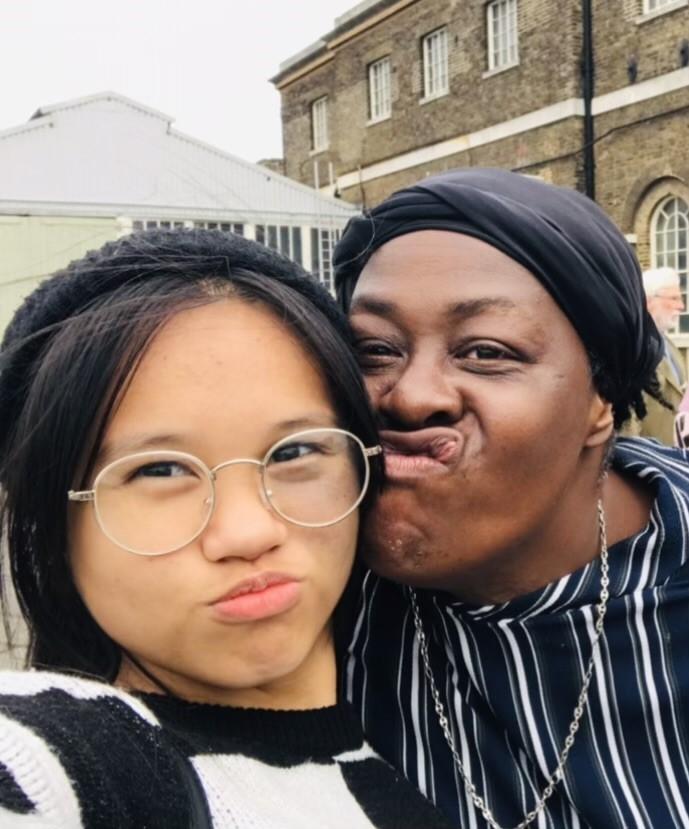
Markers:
<point>525,663</point>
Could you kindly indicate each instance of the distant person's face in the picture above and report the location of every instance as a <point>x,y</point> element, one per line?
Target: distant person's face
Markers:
<point>665,307</point>
<point>485,400</point>
<point>219,382</point>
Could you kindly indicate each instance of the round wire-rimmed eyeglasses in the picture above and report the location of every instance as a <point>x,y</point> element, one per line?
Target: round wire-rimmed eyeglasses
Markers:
<point>156,502</point>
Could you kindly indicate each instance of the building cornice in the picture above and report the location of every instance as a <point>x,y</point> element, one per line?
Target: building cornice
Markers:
<point>324,50</point>
<point>336,38</point>
<point>283,80</point>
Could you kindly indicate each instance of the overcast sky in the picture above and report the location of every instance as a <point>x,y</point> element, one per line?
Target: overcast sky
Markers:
<point>206,63</point>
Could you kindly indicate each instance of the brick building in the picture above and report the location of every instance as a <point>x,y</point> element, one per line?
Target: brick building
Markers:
<point>592,94</point>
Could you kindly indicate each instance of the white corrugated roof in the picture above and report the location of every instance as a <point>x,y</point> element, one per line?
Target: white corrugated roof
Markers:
<point>107,152</point>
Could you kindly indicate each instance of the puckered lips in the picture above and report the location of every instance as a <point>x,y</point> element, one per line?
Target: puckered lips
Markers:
<point>410,455</point>
<point>259,597</point>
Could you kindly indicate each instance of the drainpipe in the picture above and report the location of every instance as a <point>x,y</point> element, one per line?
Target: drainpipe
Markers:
<point>587,84</point>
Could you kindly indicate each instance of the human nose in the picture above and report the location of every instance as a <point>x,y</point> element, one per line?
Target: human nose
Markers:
<point>422,394</point>
<point>242,524</point>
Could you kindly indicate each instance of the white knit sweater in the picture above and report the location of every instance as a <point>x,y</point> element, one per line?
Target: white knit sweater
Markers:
<point>76,753</point>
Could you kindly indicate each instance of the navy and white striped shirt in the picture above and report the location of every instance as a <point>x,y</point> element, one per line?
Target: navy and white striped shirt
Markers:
<point>509,676</point>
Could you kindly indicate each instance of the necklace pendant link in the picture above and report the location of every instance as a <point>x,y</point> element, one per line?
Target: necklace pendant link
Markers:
<point>559,772</point>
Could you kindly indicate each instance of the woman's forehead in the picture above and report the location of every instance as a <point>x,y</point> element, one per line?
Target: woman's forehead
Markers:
<point>444,269</point>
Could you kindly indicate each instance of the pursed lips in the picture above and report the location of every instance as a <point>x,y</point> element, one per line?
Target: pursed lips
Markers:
<point>259,597</point>
<point>428,451</point>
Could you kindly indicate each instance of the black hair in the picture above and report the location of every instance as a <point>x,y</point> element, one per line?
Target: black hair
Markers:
<point>65,362</point>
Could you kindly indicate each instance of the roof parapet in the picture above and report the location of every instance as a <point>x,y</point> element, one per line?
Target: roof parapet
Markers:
<point>351,19</point>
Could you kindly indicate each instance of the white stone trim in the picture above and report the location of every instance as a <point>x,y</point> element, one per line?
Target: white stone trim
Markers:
<point>498,70</point>
<point>373,121</point>
<point>430,98</point>
<point>671,7</point>
<point>424,155</point>
<point>639,92</point>
<point>570,108</point>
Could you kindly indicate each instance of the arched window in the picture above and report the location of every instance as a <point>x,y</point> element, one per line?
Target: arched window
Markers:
<point>669,242</point>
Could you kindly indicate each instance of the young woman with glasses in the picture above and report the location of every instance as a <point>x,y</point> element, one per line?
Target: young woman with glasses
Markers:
<point>186,449</point>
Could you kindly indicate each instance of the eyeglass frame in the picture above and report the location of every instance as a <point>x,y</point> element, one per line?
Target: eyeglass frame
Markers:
<point>89,495</point>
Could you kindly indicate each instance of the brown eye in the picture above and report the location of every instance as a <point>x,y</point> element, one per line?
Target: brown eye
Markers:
<point>374,353</point>
<point>487,352</point>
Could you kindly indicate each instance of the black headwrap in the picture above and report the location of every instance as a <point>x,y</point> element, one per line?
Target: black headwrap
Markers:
<point>558,234</point>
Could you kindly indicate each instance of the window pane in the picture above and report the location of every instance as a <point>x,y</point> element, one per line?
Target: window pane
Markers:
<point>261,234</point>
<point>501,24</point>
<point>319,124</point>
<point>238,228</point>
<point>435,73</point>
<point>284,240</point>
<point>315,258</point>
<point>296,245</point>
<point>670,235</point>
<point>272,237</point>
<point>379,89</point>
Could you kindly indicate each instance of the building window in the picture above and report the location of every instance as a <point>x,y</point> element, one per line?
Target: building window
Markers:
<point>323,240</point>
<point>319,124</point>
<point>152,224</point>
<point>226,227</point>
<point>283,238</point>
<point>166,224</point>
<point>656,5</point>
<point>502,33</point>
<point>380,100</point>
<point>435,74</point>
<point>670,243</point>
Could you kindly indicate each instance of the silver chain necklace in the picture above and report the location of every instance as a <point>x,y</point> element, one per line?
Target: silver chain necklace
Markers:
<point>579,708</point>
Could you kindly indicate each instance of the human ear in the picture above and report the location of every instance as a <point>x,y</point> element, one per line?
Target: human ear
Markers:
<point>601,422</point>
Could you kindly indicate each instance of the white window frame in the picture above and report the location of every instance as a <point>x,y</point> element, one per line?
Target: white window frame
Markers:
<point>206,224</point>
<point>323,241</point>
<point>379,90</point>
<point>319,124</point>
<point>668,253</point>
<point>436,76</point>
<point>503,34</point>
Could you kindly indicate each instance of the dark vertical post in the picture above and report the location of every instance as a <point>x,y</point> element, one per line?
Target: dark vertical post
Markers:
<point>587,83</point>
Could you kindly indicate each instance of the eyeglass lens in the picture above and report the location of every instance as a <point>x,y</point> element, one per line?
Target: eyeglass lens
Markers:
<point>157,502</point>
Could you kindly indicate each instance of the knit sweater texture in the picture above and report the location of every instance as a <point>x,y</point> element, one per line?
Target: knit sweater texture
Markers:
<point>78,754</point>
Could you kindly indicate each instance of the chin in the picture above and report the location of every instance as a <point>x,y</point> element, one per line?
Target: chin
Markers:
<point>396,549</point>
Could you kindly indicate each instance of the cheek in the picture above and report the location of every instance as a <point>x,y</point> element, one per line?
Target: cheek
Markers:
<point>549,407</point>
<point>378,385</point>
<point>332,555</point>
<point>124,593</point>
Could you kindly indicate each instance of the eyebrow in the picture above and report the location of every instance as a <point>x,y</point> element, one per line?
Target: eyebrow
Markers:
<point>145,442</point>
<point>461,310</point>
<point>136,443</point>
<point>314,421</point>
